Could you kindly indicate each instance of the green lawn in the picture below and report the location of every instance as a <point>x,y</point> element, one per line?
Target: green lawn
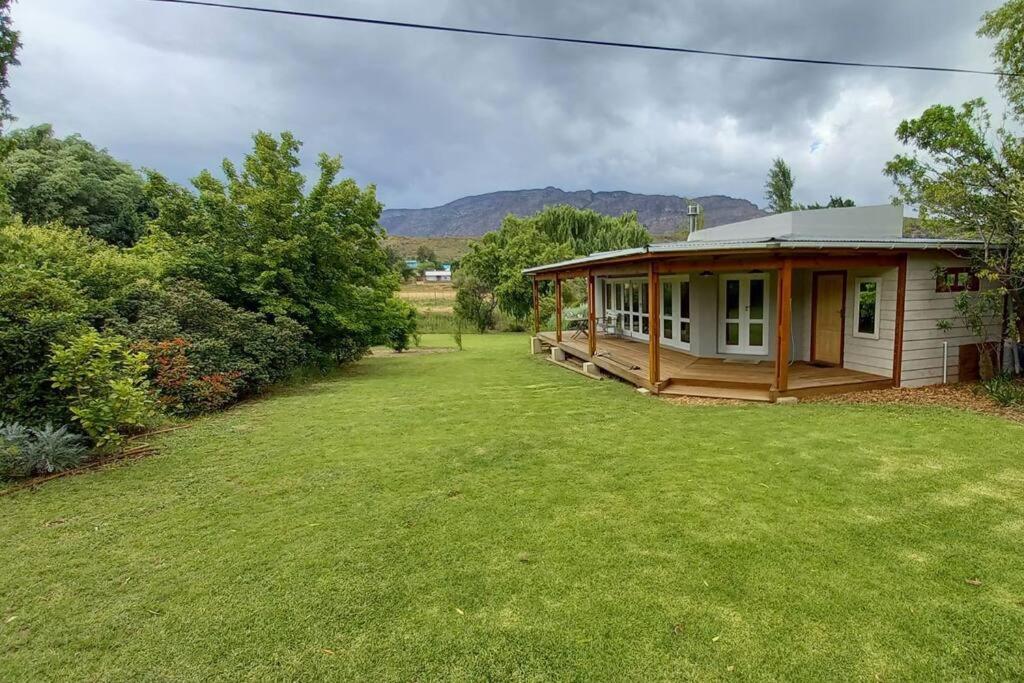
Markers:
<point>487,515</point>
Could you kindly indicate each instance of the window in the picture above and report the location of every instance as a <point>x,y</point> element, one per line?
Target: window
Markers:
<point>868,292</point>
<point>606,301</point>
<point>684,312</point>
<point>666,310</point>
<point>956,280</point>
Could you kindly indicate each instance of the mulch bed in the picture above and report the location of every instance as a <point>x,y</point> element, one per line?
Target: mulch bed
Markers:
<point>967,396</point>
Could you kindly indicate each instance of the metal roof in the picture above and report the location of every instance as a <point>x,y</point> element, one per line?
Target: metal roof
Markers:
<point>764,243</point>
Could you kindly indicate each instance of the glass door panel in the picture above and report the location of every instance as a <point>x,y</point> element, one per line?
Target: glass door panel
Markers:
<point>743,314</point>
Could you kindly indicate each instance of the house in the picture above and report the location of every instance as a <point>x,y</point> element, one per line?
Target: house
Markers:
<point>791,304</point>
<point>412,264</point>
<point>437,275</point>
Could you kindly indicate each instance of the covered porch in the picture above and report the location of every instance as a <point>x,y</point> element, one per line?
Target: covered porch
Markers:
<point>682,374</point>
<point>744,326</point>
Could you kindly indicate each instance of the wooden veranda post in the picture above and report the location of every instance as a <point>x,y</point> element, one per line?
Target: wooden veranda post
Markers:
<point>536,306</point>
<point>558,308</point>
<point>653,325</point>
<point>901,308</point>
<point>591,316</point>
<point>784,325</point>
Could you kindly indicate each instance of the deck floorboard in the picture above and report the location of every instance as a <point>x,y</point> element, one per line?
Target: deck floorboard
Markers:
<point>679,368</point>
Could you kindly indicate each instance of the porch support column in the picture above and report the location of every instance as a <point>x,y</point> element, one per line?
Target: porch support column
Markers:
<point>591,315</point>
<point>653,325</point>
<point>536,306</point>
<point>784,325</point>
<point>901,307</point>
<point>558,308</point>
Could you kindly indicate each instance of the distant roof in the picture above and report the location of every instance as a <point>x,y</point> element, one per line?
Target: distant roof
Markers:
<point>436,273</point>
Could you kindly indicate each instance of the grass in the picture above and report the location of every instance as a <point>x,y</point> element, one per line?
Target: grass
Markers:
<point>486,515</point>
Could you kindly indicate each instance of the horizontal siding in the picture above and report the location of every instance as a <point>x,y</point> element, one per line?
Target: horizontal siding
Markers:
<point>871,355</point>
<point>922,337</point>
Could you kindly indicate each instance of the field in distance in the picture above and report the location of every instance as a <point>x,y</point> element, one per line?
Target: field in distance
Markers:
<point>447,249</point>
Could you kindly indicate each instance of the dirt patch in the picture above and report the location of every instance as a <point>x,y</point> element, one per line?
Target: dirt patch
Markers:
<point>415,351</point>
<point>967,396</point>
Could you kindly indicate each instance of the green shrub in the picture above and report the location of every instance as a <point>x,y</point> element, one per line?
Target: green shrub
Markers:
<point>105,383</point>
<point>1005,390</point>
<point>400,326</point>
<point>218,341</point>
<point>25,452</point>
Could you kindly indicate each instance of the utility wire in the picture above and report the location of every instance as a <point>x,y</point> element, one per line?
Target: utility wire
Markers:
<point>581,41</point>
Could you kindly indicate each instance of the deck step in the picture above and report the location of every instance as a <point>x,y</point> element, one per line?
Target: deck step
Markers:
<point>738,393</point>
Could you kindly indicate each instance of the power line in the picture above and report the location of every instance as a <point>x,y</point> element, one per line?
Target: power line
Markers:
<point>581,41</point>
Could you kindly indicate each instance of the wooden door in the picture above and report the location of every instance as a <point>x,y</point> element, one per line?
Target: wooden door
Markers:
<point>828,300</point>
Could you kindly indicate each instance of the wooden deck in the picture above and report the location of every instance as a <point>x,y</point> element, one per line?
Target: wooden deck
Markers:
<point>686,375</point>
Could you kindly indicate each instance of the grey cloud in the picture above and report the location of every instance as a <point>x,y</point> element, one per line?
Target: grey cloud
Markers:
<point>431,117</point>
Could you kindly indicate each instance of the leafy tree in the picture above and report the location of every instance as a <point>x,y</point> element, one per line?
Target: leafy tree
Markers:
<point>69,180</point>
<point>490,278</point>
<point>1006,26</point>
<point>10,43</point>
<point>260,242</point>
<point>425,253</point>
<point>778,189</point>
<point>834,202</point>
<point>967,179</point>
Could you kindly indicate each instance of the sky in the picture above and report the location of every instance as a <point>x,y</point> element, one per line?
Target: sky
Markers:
<point>429,117</point>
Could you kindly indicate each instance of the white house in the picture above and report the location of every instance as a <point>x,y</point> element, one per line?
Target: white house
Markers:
<point>786,305</point>
<point>437,275</point>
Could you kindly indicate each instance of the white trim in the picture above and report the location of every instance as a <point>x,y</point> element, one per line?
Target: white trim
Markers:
<point>856,307</point>
<point>744,320</point>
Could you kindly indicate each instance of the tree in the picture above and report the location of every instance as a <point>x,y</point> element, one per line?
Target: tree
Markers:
<point>10,43</point>
<point>1006,26</point>
<point>425,253</point>
<point>260,242</point>
<point>834,202</point>
<point>778,189</point>
<point>69,180</point>
<point>490,277</point>
<point>968,180</point>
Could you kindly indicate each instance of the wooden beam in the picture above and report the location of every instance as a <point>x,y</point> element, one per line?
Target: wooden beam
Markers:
<point>901,307</point>
<point>591,315</point>
<point>558,308</point>
<point>653,325</point>
<point>536,306</point>
<point>784,324</point>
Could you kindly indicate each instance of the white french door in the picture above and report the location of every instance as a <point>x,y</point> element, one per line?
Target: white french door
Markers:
<point>743,314</point>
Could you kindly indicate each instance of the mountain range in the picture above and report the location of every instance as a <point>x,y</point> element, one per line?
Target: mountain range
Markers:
<point>479,214</point>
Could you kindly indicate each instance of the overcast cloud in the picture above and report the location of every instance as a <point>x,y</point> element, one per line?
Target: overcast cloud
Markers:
<point>429,117</point>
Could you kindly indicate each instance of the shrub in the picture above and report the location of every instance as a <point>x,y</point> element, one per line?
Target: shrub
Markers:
<point>105,383</point>
<point>215,340</point>
<point>25,452</point>
<point>400,325</point>
<point>1005,390</point>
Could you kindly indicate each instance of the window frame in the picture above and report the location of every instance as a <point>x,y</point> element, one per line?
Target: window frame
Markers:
<point>855,327</point>
<point>971,282</point>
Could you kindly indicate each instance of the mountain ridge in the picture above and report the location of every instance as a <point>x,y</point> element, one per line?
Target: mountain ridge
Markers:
<point>476,215</point>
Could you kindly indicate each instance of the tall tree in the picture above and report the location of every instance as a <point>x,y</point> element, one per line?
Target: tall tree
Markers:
<point>778,189</point>
<point>1006,26</point>
<point>10,43</point>
<point>261,242</point>
<point>967,179</point>
<point>47,178</point>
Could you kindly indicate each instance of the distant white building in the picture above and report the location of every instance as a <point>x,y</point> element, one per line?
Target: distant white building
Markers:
<point>437,276</point>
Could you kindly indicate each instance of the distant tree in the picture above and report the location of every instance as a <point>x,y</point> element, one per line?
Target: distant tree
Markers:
<point>490,278</point>
<point>425,253</point>
<point>69,180</point>
<point>10,43</point>
<point>778,189</point>
<point>834,202</point>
